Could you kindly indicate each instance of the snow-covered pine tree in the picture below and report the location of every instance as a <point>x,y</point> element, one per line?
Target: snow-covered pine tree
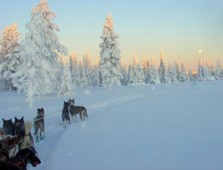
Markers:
<point>66,87</point>
<point>169,74</point>
<point>183,73</point>
<point>145,65</point>
<point>140,76</point>
<point>41,47</point>
<point>191,76</point>
<point>204,70</point>
<point>162,68</point>
<point>209,70</point>
<point>124,70</point>
<point>174,72</point>
<point>218,71</point>
<point>95,76</point>
<point>153,73</point>
<point>109,56</point>
<point>10,58</point>
<point>78,74</point>
<point>200,70</point>
<point>86,71</point>
<point>137,76</point>
<point>131,75</point>
<point>73,67</point>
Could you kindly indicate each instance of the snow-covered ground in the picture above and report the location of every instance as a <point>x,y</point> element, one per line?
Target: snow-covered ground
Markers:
<point>160,127</point>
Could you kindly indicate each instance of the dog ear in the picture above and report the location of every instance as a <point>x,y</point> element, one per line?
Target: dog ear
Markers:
<point>22,118</point>
<point>16,118</point>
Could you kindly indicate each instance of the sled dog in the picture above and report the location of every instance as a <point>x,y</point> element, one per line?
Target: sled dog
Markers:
<point>19,127</point>
<point>39,124</point>
<point>21,160</point>
<point>75,110</point>
<point>8,127</point>
<point>27,139</point>
<point>65,113</point>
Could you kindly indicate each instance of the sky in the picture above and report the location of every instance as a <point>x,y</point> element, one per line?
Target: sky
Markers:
<point>185,30</point>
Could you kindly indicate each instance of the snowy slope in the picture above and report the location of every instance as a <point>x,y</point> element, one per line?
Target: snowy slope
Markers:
<point>161,127</point>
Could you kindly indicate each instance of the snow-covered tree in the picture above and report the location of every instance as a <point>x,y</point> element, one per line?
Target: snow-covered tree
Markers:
<point>151,72</point>
<point>183,73</point>
<point>109,56</point>
<point>218,71</point>
<point>162,69</point>
<point>95,76</point>
<point>169,74</point>
<point>174,73</point>
<point>204,71</point>
<point>42,48</point>
<point>191,76</point>
<point>145,65</point>
<point>200,70</point>
<point>78,74</point>
<point>86,71</point>
<point>131,75</point>
<point>137,76</point>
<point>124,70</point>
<point>66,87</point>
<point>73,68</point>
<point>9,54</point>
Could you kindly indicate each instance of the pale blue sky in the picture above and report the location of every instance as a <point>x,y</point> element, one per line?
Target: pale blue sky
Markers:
<point>145,27</point>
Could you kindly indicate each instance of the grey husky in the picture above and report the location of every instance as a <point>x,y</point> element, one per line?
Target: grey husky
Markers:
<point>75,110</point>
<point>23,129</point>
<point>65,113</point>
<point>8,127</point>
<point>39,124</point>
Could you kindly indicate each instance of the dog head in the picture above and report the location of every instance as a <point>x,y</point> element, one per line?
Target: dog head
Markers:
<point>40,112</point>
<point>19,126</point>
<point>29,155</point>
<point>8,127</point>
<point>71,101</point>
<point>66,104</point>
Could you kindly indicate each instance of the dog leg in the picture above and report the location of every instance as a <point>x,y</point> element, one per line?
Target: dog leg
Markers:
<point>75,117</point>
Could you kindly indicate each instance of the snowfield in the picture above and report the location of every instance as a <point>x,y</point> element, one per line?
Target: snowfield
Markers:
<point>154,127</point>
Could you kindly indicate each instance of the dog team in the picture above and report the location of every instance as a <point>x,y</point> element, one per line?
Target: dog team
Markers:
<point>17,144</point>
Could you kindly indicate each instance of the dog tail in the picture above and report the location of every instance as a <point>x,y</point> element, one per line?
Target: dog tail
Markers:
<point>28,127</point>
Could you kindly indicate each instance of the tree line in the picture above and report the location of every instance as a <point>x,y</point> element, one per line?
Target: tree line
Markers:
<point>33,64</point>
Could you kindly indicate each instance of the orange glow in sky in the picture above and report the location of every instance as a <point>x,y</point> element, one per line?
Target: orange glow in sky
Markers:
<point>185,30</point>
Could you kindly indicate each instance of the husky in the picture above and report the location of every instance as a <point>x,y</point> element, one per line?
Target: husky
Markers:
<point>27,139</point>
<point>39,125</point>
<point>8,127</point>
<point>19,127</point>
<point>65,113</point>
<point>74,110</point>
<point>21,160</point>
<point>24,130</point>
